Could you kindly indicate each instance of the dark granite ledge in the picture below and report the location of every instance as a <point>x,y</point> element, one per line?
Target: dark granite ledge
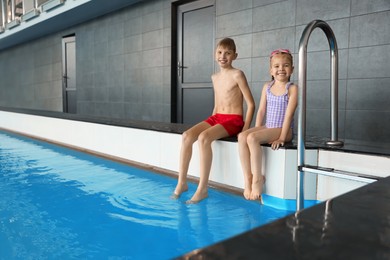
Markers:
<point>138,124</point>
<point>174,128</point>
<point>355,225</point>
<point>353,146</point>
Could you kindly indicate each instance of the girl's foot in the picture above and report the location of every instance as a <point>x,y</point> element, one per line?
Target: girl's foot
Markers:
<point>248,187</point>
<point>257,188</point>
<point>247,193</point>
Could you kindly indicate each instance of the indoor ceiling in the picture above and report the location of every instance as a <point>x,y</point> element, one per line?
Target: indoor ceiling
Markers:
<point>59,19</point>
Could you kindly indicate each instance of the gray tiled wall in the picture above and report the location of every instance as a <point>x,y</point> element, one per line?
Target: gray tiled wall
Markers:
<point>363,37</point>
<point>124,59</point>
<point>31,76</point>
<point>125,69</point>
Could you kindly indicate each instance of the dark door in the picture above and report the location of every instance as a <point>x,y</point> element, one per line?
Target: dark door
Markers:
<point>69,74</point>
<point>195,61</point>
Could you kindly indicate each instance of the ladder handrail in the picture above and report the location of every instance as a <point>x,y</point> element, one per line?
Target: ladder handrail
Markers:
<point>302,98</point>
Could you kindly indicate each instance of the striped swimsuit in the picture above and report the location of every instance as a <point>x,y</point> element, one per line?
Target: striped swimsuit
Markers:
<point>276,107</point>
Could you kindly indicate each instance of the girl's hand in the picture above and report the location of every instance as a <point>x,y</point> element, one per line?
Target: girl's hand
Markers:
<point>276,144</point>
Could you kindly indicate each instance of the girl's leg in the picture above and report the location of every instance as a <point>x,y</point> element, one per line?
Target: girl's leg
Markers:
<point>188,139</point>
<point>254,139</point>
<point>245,157</point>
<point>205,156</point>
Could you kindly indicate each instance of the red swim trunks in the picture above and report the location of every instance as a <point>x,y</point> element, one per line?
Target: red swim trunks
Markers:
<point>231,122</point>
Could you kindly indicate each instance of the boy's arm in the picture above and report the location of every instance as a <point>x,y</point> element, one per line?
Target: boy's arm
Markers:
<point>262,107</point>
<point>215,97</point>
<point>250,103</point>
<point>292,105</point>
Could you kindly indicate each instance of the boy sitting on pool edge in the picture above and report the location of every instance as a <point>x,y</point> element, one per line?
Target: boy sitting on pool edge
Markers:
<point>230,90</point>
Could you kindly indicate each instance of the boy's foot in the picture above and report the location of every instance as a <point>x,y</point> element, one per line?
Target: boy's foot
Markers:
<point>192,202</point>
<point>198,196</point>
<point>179,190</point>
<point>174,196</point>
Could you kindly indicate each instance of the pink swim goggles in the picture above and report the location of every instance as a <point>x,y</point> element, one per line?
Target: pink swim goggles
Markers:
<point>279,51</point>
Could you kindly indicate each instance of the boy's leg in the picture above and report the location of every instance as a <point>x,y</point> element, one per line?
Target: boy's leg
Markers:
<point>188,138</point>
<point>263,136</point>
<point>205,140</point>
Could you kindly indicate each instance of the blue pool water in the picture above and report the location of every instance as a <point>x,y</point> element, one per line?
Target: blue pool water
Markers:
<point>57,203</point>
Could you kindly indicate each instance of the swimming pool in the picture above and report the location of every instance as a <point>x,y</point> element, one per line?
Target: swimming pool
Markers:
<point>58,203</point>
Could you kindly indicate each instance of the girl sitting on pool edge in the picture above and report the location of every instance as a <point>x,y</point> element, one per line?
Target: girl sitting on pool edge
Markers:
<point>278,102</point>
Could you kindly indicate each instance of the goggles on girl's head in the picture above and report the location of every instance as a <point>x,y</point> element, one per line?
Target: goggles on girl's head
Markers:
<point>279,51</point>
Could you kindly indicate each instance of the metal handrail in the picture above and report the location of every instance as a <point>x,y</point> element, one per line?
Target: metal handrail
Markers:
<point>302,98</point>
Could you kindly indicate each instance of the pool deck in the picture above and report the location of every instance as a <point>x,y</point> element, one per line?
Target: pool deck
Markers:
<point>354,225</point>
<point>352,146</point>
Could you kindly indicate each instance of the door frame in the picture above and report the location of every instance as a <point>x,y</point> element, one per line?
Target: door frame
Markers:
<point>175,34</point>
<point>65,40</point>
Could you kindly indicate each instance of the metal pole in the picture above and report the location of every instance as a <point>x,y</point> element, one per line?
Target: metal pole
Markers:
<point>12,10</point>
<point>334,86</point>
<point>302,99</point>
<point>3,13</point>
<point>302,52</point>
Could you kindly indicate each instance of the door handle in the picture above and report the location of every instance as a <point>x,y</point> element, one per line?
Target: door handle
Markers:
<point>65,80</point>
<point>179,68</point>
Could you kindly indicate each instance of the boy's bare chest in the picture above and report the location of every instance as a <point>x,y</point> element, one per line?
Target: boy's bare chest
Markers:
<point>224,83</point>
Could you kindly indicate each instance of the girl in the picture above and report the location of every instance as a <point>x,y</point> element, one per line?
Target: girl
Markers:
<point>278,102</point>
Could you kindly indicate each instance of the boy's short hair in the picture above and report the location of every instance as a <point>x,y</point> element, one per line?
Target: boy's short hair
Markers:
<point>227,43</point>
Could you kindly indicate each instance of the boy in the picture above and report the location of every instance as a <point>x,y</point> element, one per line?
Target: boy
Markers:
<point>230,90</point>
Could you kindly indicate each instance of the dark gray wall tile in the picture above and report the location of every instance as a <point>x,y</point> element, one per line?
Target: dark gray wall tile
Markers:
<point>234,24</point>
<point>359,7</point>
<point>264,17</point>
<point>369,62</point>
<point>368,94</point>
<point>366,32</point>
<point>308,10</point>
<point>225,7</point>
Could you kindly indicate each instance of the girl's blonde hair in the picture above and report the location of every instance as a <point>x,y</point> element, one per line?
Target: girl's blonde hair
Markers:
<point>282,51</point>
